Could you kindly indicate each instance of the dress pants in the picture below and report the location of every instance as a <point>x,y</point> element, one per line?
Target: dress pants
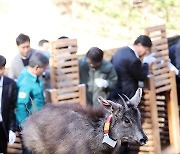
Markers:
<point>3,140</point>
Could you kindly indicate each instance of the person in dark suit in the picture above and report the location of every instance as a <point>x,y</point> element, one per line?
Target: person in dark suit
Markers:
<point>174,55</point>
<point>8,96</point>
<point>129,68</point>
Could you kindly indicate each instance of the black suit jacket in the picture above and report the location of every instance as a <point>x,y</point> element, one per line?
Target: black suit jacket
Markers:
<point>8,102</point>
<point>174,55</point>
<point>129,69</point>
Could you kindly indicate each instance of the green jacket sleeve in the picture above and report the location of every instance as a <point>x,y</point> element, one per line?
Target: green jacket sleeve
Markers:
<point>112,79</point>
<point>22,104</point>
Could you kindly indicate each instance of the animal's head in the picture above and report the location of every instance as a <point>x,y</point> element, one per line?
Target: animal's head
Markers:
<point>126,121</point>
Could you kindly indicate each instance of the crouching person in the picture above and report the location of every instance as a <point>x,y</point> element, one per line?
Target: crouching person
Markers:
<point>30,90</point>
<point>97,74</point>
<point>8,96</point>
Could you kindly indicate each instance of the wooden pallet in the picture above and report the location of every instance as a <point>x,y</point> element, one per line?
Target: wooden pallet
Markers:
<point>161,97</point>
<point>65,73</point>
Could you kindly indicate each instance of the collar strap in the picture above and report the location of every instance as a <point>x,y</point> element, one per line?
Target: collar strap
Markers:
<point>106,138</point>
<point>107,124</point>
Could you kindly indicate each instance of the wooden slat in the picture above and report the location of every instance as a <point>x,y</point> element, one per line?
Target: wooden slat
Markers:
<point>73,100</point>
<point>160,41</point>
<point>162,82</point>
<point>160,97</point>
<point>68,95</point>
<point>63,58</point>
<point>146,114</point>
<point>149,143</point>
<point>162,109</point>
<point>155,28</point>
<point>68,89</point>
<point>150,137</point>
<point>147,125</point>
<point>162,47</point>
<point>165,132</point>
<point>66,70</point>
<point>161,53</point>
<point>148,120</point>
<point>73,75</point>
<point>147,103</point>
<point>162,89</point>
<point>160,59</point>
<point>66,50</point>
<point>63,43</point>
<point>145,108</point>
<point>146,96</point>
<point>162,76</point>
<point>161,71</point>
<point>158,36</point>
<point>68,83</point>
<point>67,63</point>
<point>159,66</point>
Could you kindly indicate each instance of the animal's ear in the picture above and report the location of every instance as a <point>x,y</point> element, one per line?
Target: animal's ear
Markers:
<point>109,105</point>
<point>135,100</point>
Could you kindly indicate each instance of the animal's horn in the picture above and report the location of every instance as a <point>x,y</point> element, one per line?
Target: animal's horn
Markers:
<point>127,98</point>
<point>124,102</point>
<point>135,100</point>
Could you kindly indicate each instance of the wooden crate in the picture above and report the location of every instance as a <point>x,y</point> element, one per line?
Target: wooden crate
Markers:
<point>161,96</point>
<point>65,73</point>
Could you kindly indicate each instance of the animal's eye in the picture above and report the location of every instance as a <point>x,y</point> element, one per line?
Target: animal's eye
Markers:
<point>126,120</point>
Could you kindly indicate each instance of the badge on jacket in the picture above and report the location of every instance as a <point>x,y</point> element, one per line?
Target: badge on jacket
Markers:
<point>22,95</point>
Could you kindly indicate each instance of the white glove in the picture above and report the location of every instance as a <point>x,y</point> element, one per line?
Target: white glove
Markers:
<point>173,68</point>
<point>149,59</point>
<point>12,137</point>
<point>101,83</point>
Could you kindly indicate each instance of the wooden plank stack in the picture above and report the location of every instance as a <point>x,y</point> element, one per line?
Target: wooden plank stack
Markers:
<point>161,97</point>
<point>65,73</point>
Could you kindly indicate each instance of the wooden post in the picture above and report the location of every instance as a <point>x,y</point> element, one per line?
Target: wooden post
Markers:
<point>154,116</point>
<point>82,94</point>
<point>52,96</point>
<point>173,112</point>
<point>52,66</point>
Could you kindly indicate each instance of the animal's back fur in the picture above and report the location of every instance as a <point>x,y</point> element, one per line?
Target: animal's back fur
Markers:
<point>64,129</point>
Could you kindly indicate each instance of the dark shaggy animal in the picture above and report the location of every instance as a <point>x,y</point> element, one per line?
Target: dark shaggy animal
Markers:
<point>71,129</point>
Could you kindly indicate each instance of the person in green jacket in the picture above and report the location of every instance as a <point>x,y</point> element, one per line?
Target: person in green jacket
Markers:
<point>97,74</point>
<point>30,89</point>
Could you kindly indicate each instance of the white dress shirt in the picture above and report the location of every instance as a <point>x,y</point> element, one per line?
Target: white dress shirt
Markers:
<point>1,87</point>
<point>132,48</point>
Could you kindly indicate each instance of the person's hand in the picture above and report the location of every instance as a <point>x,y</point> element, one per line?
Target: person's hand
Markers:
<point>12,137</point>
<point>173,68</point>
<point>149,59</point>
<point>101,83</point>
